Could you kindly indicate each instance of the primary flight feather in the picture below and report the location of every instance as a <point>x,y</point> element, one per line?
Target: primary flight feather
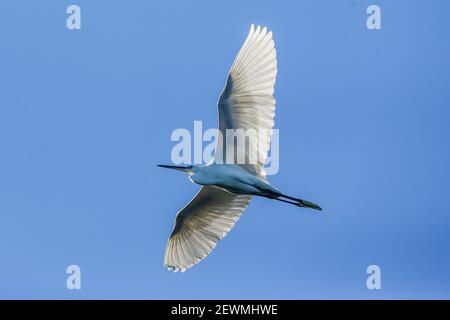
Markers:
<point>246,103</point>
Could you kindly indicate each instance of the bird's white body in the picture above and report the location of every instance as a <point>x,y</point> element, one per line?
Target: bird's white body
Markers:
<point>246,103</point>
<point>229,177</point>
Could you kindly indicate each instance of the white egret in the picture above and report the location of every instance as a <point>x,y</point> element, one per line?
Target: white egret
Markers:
<point>246,102</point>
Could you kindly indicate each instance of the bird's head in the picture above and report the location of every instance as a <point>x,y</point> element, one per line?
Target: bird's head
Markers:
<point>185,168</point>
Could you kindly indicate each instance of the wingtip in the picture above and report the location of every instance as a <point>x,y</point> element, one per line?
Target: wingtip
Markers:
<point>264,30</point>
<point>252,29</point>
<point>260,29</point>
<point>175,269</point>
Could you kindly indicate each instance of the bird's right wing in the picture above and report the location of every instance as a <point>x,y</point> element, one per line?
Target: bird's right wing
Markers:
<point>201,224</point>
<point>247,100</point>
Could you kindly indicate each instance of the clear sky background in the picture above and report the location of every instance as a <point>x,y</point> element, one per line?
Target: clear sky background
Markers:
<point>85,116</point>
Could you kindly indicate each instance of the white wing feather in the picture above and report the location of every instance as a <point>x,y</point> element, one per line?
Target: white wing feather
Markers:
<point>201,224</point>
<point>247,100</point>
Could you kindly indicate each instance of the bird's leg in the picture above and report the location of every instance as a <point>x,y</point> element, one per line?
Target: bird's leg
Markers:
<point>282,200</point>
<point>296,201</point>
<point>303,203</point>
<point>298,204</point>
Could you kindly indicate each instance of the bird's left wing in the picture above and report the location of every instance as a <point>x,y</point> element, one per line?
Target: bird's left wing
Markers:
<point>201,224</point>
<point>247,102</point>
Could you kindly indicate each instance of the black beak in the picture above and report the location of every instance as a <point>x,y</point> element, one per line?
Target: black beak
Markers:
<point>183,168</point>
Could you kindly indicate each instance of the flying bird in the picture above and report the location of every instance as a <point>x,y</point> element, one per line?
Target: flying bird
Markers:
<point>246,103</point>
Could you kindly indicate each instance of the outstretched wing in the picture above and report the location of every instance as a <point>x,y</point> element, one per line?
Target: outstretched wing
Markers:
<point>247,100</point>
<point>201,224</point>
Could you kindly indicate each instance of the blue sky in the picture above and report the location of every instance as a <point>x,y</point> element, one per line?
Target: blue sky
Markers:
<point>85,116</point>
